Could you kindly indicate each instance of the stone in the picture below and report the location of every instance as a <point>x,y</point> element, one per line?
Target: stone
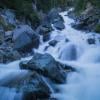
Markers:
<point>46,65</point>
<point>26,42</point>
<point>91,41</point>
<point>35,88</point>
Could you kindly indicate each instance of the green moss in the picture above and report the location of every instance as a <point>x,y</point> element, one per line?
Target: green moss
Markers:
<point>97,28</point>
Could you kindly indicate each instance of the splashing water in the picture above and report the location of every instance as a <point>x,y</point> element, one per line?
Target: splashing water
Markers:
<point>10,77</point>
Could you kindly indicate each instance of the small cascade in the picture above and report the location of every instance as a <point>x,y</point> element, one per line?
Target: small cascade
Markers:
<point>68,52</point>
<point>91,56</point>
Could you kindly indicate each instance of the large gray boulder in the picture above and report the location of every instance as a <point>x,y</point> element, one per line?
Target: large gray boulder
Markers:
<point>22,29</point>
<point>46,65</point>
<point>25,41</point>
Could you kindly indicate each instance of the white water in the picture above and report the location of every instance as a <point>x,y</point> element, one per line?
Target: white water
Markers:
<point>85,83</point>
<point>81,85</point>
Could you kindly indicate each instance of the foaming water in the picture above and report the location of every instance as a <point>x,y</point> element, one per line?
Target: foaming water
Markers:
<point>91,56</point>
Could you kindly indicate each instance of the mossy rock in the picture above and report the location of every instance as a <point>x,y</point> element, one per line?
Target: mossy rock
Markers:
<point>97,28</point>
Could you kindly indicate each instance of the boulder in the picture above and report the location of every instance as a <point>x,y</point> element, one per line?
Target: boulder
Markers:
<point>46,65</point>
<point>36,88</point>
<point>22,29</point>
<point>91,41</point>
<point>25,42</point>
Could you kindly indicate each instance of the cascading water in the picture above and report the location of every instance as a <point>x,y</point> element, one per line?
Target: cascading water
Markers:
<point>10,77</point>
<point>68,52</point>
<point>81,85</point>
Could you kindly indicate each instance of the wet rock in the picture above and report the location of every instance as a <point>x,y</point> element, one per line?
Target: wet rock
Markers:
<point>53,43</point>
<point>91,41</point>
<point>66,40</point>
<point>59,25</point>
<point>22,29</point>
<point>56,19</point>
<point>36,88</point>
<point>25,42</point>
<point>46,65</point>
